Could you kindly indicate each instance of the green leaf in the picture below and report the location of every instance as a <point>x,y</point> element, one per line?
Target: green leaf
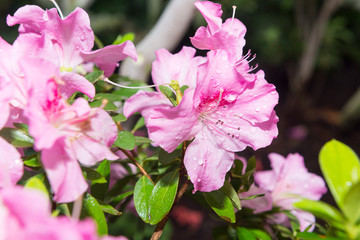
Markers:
<point>100,188</point>
<point>92,208</point>
<point>244,233</point>
<point>251,164</point>
<point>22,126</point>
<point>259,234</point>
<point>229,191</point>
<point>351,207</point>
<point>32,161</point>
<point>109,96</point>
<point>169,94</point>
<point>36,182</point>
<point>109,209</point>
<point>121,39</point>
<point>139,124</point>
<point>183,88</point>
<point>94,76</point>
<point>121,197</point>
<point>321,210</point>
<point>125,140</point>
<point>313,236</point>
<point>108,107</point>
<point>16,137</point>
<point>142,192</point>
<point>163,196</point>
<point>221,204</point>
<point>340,167</point>
<point>93,175</point>
<point>141,140</point>
<point>166,158</point>
<point>119,118</point>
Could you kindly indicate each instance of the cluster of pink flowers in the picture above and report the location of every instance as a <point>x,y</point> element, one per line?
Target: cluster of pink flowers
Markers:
<point>288,182</point>
<point>38,73</point>
<point>226,107</point>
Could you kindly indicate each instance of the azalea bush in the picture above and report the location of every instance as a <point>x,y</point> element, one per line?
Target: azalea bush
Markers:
<point>83,148</point>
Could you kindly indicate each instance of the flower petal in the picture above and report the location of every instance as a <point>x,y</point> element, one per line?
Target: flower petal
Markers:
<point>64,173</point>
<point>107,58</point>
<point>11,165</point>
<point>74,82</point>
<point>169,127</point>
<point>212,13</point>
<point>206,162</point>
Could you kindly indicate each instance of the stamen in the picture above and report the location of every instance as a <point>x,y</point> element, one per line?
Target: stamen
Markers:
<point>252,68</point>
<point>123,86</point>
<point>254,56</point>
<point>218,101</point>
<point>58,8</point>
<point>233,16</point>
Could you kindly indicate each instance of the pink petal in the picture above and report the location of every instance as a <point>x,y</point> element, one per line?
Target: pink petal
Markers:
<point>169,127</point>
<point>277,162</point>
<point>29,17</point>
<point>11,165</point>
<point>212,13</point>
<point>74,82</point>
<point>63,172</point>
<point>107,58</point>
<point>207,163</point>
<point>143,102</point>
<point>6,94</point>
<point>266,180</point>
<point>181,67</point>
<point>305,219</point>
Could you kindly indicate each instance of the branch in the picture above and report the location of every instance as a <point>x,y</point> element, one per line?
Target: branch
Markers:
<point>142,170</point>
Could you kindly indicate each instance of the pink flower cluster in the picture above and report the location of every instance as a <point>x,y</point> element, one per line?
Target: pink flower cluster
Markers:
<point>285,184</point>
<point>20,220</point>
<point>226,107</point>
<point>38,73</point>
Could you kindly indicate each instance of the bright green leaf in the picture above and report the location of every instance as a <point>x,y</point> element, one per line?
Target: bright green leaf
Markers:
<point>108,107</point>
<point>163,196</point>
<point>94,76</point>
<point>121,197</point>
<point>244,233</point>
<point>183,88</point>
<point>259,234</point>
<point>142,192</point>
<point>341,168</point>
<point>119,118</point>
<point>141,140</point>
<point>125,140</point>
<point>351,207</point>
<point>313,236</point>
<point>321,210</point>
<point>221,204</point>
<point>229,191</point>
<point>169,94</point>
<point>109,96</point>
<point>121,39</point>
<point>36,182</point>
<point>109,209</point>
<point>16,137</point>
<point>32,161</point>
<point>92,208</point>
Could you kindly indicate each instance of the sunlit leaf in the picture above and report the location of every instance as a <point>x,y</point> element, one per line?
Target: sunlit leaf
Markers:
<point>142,193</point>
<point>92,208</point>
<point>351,207</point>
<point>94,76</point>
<point>341,168</point>
<point>163,196</point>
<point>125,140</point>
<point>16,137</point>
<point>229,191</point>
<point>221,204</point>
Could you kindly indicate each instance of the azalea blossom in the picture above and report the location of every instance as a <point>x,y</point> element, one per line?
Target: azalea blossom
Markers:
<point>20,220</point>
<point>285,184</point>
<point>223,114</point>
<point>11,165</point>
<point>72,38</point>
<point>65,133</point>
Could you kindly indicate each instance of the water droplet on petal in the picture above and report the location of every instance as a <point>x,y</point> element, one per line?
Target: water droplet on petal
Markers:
<point>199,180</point>
<point>201,162</point>
<point>257,109</point>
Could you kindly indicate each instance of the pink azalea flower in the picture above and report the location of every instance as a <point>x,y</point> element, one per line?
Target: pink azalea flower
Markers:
<point>11,165</point>
<point>72,38</point>
<point>287,183</point>
<point>25,212</point>
<point>224,114</point>
<point>65,133</point>
<point>228,36</point>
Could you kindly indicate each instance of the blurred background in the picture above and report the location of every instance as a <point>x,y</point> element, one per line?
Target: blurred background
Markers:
<point>309,49</point>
